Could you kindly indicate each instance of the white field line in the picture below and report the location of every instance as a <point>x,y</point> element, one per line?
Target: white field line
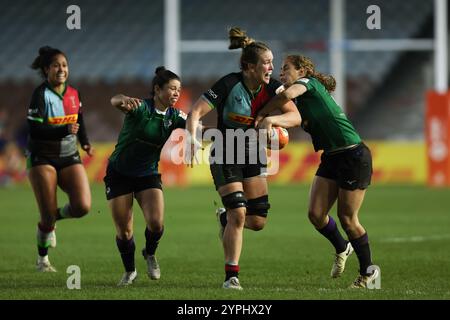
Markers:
<point>416,238</point>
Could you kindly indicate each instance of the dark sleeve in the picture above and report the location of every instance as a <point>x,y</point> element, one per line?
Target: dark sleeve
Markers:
<point>273,87</point>
<point>217,95</point>
<point>41,131</point>
<point>81,134</point>
<point>36,120</point>
<point>180,121</point>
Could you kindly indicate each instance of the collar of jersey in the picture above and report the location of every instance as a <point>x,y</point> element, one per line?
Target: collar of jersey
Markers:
<point>61,96</point>
<point>151,109</point>
<point>252,95</point>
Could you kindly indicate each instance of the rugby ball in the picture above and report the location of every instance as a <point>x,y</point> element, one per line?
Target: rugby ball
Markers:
<point>279,138</point>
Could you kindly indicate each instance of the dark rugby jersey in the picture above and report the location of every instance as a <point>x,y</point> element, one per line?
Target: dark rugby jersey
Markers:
<point>323,118</point>
<point>237,107</point>
<point>145,131</point>
<point>49,115</point>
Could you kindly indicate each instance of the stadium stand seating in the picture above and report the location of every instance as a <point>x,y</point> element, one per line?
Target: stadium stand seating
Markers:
<point>120,42</point>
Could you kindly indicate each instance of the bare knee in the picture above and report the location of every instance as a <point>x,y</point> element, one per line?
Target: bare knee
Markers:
<point>124,234</point>
<point>317,219</point>
<point>155,226</point>
<point>350,224</point>
<point>80,209</point>
<point>236,217</point>
<point>255,223</point>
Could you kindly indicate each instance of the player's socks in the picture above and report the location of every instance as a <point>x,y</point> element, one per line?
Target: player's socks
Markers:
<point>223,219</point>
<point>63,213</point>
<point>126,249</point>
<point>362,250</point>
<point>231,270</point>
<point>152,240</point>
<point>43,239</point>
<point>331,232</point>
<point>42,251</point>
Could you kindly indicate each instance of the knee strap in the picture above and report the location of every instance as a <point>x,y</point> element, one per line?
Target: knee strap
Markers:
<point>234,200</point>
<point>258,206</point>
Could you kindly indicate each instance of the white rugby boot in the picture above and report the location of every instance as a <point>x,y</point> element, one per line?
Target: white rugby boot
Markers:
<point>339,261</point>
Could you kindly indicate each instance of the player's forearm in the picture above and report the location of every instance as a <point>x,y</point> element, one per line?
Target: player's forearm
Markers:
<point>41,131</point>
<point>275,103</point>
<point>82,134</point>
<point>192,122</point>
<point>200,109</point>
<point>286,120</point>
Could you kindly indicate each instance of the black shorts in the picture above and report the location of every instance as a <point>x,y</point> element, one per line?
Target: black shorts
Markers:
<point>227,173</point>
<point>117,184</point>
<point>351,169</point>
<point>58,163</point>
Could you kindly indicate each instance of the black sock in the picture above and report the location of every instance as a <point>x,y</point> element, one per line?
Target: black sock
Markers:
<point>126,249</point>
<point>223,219</point>
<point>63,212</point>
<point>362,250</point>
<point>58,214</point>
<point>231,271</point>
<point>331,232</point>
<point>152,240</point>
<point>42,251</point>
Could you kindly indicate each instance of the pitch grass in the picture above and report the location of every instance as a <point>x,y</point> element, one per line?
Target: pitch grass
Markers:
<point>409,229</point>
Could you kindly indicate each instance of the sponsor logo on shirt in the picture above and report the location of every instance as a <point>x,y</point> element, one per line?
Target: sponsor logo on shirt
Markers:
<point>167,123</point>
<point>240,118</point>
<point>73,118</point>
<point>212,94</point>
<point>32,111</point>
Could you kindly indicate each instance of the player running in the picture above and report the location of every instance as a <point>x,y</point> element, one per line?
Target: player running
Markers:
<point>238,97</point>
<point>346,164</point>
<point>55,121</point>
<point>133,168</point>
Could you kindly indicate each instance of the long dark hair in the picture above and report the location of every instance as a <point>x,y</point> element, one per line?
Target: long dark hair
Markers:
<point>162,77</point>
<point>44,59</point>
<point>251,49</point>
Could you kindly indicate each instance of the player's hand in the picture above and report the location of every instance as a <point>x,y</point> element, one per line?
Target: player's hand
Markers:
<point>258,119</point>
<point>73,128</point>
<point>266,124</point>
<point>129,104</point>
<point>191,147</point>
<point>89,149</point>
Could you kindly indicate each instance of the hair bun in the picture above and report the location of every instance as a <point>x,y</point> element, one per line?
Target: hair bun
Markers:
<point>159,69</point>
<point>238,38</point>
<point>44,50</point>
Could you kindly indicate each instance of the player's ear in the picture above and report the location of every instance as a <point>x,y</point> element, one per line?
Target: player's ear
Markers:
<point>301,72</point>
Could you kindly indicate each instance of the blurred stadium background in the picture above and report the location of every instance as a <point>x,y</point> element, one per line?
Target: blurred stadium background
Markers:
<point>120,45</point>
<point>117,50</point>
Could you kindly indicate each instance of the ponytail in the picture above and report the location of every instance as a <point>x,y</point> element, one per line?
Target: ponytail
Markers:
<point>251,49</point>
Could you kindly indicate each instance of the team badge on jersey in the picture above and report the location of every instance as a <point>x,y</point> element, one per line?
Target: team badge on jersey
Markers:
<point>167,123</point>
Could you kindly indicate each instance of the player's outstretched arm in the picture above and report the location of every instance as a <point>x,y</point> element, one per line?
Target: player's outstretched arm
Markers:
<point>290,117</point>
<point>199,110</point>
<point>125,103</point>
<point>280,101</point>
